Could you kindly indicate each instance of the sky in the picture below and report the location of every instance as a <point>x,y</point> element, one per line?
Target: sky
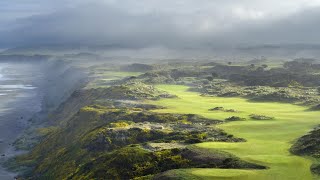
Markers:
<point>159,23</point>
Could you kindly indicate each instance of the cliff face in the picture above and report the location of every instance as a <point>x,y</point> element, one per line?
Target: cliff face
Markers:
<point>61,80</point>
<point>105,96</point>
<point>36,84</point>
<point>57,81</point>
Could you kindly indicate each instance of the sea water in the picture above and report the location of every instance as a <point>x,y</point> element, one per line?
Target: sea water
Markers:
<point>19,100</point>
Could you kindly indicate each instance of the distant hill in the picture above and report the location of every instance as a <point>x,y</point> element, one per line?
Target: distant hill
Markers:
<point>136,67</point>
<point>238,52</point>
<point>20,58</point>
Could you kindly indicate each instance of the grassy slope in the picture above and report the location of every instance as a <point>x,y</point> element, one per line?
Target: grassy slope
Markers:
<point>268,140</point>
<point>102,77</point>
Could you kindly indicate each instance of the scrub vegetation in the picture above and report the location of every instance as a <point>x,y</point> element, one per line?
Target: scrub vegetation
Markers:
<point>204,120</point>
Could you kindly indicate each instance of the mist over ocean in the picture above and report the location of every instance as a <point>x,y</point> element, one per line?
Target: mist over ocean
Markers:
<point>28,90</point>
<point>19,100</point>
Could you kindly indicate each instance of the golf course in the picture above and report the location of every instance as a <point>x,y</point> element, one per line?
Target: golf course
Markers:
<point>267,141</point>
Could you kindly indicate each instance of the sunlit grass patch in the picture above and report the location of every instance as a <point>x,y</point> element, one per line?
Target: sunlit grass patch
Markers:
<point>268,141</point>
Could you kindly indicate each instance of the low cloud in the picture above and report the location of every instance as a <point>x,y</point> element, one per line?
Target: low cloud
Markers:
<point>178,24</point>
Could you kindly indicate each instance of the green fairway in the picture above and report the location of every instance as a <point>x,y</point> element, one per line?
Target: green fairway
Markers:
<point>268,141</point>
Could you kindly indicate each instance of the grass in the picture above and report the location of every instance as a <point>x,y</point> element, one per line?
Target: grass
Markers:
<point>268,141</point>
<point>102,78</point>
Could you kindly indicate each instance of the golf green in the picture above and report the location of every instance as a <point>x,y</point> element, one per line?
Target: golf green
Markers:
<point>268,141</point>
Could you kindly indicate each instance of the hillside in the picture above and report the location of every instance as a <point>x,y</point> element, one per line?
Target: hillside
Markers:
<point>144,126</point>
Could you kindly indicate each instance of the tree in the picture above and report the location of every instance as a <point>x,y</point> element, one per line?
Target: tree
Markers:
<point>229,63</point>
<point>264,66</point>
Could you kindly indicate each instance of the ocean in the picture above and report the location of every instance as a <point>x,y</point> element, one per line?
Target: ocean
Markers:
<point>20,98</point>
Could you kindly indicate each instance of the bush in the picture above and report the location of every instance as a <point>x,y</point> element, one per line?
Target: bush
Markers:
<point>315,168</point>
<point>235,118</point>
<point>216,109</point>
<point>132,162</point>
<point>193,141</point>
<point>260,117</point>
<point>119,124</point>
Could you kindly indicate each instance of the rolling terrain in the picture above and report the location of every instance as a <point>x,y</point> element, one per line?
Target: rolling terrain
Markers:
<point>268,141</point>
<point>179,121</point>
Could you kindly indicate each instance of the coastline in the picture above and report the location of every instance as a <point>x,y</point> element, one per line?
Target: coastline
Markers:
<point>17,106</point>
<point>38,89</point>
